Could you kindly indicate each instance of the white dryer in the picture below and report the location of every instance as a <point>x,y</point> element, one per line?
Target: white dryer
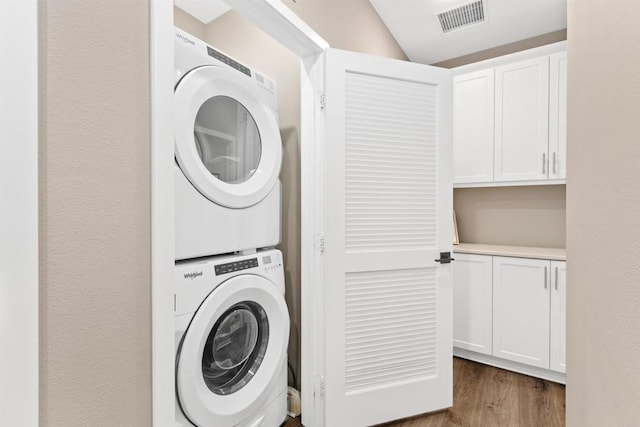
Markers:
<point>228,153</point>
<point>231,331</point>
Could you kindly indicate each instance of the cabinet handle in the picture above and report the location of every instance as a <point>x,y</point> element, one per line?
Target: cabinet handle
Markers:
<point>556,278</point>
<point>545,277</point>
<point>554,166</point>
<point>544,163</point>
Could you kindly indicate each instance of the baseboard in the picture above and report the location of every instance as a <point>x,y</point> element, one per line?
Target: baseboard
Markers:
<point>545,374</point>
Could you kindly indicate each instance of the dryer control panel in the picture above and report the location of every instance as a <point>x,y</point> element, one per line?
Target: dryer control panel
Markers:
<point>191,53</point>
<point>230,62</point>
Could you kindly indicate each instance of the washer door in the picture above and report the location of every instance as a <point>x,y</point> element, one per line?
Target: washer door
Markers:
<point>232,351</point>
<point>227,142</point>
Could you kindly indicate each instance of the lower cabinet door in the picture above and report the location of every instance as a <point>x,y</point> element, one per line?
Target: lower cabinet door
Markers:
<point>472,302</point>
<point>521,289</point>
<point>558,327</point>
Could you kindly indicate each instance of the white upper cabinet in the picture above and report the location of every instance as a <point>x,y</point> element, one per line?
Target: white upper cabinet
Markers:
<point>473,105</point>
<point>558,339</point>
<point>522,121</point>
<point>521,310</point>
<point>510,120</point>
<point>558,116</point>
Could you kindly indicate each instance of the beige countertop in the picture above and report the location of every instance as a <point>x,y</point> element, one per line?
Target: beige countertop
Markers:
<point>554,254</point>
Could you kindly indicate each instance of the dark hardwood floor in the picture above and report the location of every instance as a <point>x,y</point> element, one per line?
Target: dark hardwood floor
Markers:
<point>484,396</point>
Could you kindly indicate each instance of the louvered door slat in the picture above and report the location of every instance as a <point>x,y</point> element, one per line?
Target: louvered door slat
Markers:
<point>410,351</point>
<point>365,96</point>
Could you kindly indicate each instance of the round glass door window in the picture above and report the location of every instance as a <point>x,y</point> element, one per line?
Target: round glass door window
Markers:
<point>227,139</point>
<point>235,348</point>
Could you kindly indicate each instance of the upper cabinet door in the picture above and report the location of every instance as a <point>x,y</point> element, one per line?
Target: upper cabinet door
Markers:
<point>387,216</point>
<point>473,107</point>
<point>522,121</point>
<point>558,116</point>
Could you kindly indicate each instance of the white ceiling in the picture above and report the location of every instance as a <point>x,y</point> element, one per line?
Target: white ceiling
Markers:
<point>416,29</point>
<point>203,10</point>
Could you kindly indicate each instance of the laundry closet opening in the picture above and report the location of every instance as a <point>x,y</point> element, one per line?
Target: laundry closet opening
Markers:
<point>228,150</point>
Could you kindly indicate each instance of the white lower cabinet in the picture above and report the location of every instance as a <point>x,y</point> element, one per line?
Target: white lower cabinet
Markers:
<point>558,341</point>
<point>521,310</point>
<point>472,303</point>
<point>511,309</point>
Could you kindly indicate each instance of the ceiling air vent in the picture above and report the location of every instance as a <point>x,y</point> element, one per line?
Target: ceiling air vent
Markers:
<point>461,17</point>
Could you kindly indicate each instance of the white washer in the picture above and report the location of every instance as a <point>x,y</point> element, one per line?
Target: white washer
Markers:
<point>232,331</point>
<point>228,153</point>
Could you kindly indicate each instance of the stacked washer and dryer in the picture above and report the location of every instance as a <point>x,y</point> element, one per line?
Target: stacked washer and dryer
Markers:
<point>231,319</point>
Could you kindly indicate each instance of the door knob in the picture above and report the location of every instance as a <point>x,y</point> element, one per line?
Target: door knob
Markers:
<point>445,258</point>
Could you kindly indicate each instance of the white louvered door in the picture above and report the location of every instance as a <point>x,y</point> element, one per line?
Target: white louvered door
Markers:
<point>387,217</point>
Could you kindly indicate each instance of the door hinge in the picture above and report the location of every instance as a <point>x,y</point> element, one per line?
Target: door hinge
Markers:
<point>322,100</point>
<point>321,242</point>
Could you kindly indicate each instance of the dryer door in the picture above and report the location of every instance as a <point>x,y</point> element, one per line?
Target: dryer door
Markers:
<point>227,142</point>
<point>233,352</point>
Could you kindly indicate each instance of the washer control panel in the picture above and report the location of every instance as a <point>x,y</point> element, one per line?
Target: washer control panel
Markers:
<point>271,262</point>
<point>231,267</point>
<point>195,279</point>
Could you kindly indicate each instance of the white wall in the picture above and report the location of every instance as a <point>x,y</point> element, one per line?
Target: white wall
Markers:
<point>603,213</point>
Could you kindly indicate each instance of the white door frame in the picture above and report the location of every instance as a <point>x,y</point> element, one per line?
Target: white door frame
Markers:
<point>162,211</point>
<point>311,239</point>
<point>277,20</point>
<point>19,213</point>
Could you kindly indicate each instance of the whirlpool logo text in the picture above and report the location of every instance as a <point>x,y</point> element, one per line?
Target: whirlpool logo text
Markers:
<point>193,275</point>
<point>185,39</point>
